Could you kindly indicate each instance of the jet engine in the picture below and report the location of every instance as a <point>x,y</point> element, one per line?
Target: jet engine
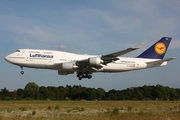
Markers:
<point>95,61</point>
<point>69,66</point>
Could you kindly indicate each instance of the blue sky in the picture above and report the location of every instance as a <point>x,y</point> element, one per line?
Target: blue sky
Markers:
<point>89,27</point>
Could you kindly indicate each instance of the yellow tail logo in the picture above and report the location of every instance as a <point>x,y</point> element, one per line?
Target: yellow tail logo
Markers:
<point>160,48</point>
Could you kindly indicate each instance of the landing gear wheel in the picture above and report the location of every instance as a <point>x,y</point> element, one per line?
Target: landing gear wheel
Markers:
<point>89,76</point>
<point>22,72</point>
<point>82,75</point>
<point>80,78</point>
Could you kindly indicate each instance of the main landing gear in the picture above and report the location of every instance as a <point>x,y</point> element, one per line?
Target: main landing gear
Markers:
<point>22,72</point>
<point>82,75</point>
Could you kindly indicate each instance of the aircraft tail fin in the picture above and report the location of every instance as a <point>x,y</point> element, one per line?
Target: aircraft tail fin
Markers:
<point>158,50</point>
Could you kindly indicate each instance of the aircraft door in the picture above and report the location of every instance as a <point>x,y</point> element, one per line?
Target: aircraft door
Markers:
<point>26,56</point>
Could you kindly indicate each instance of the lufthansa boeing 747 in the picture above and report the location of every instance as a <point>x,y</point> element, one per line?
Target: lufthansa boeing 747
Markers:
<point>84,65</point>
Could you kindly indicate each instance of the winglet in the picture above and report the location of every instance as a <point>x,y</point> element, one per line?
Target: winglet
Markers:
<point>158,50</point>
<point>138,46</point>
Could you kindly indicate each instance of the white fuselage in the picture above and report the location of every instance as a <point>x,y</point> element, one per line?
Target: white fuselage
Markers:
<point>46,59</point>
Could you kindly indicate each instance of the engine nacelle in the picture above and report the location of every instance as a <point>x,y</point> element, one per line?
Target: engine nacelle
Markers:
<point>69,66</point>
<point>95,61</point>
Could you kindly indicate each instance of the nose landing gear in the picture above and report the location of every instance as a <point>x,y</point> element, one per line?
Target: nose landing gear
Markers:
<point>22,72</point>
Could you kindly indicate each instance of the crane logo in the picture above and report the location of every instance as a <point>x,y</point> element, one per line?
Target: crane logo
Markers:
<point>160,48</point>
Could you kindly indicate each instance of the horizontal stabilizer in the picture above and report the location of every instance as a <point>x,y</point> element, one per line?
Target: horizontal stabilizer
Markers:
<point>161,61</point>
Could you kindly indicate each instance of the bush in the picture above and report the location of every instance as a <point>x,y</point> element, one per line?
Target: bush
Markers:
<point>49,108</point>
<point>115,111</point>
<point>33,112</point>
<point>129,108</point>
<point>22,108</point>
<point>56,107</point>
<point>82,109</point>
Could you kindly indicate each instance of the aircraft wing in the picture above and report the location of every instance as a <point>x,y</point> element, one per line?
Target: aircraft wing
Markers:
<point>96,62</point>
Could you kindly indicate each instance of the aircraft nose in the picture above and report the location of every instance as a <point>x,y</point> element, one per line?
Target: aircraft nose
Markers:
<point>7,58</point>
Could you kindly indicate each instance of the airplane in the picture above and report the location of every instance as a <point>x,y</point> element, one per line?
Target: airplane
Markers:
<point>84,65</point>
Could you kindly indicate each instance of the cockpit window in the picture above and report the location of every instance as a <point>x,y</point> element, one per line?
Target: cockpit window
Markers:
<point>17,50</point>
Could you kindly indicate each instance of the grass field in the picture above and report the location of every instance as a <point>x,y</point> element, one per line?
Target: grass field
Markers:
<point>89,110</point>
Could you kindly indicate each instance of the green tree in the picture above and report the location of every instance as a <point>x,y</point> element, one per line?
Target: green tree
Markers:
<point>43,93</point>
<point>31,90</point>
<point>51,93</point>
<point>162,91</point>
<point>64,92</point>
<point>20,94</point>
<point>5,94</point>
<point>76,92</point>
<point>178,92</point>
<point>100,94</point>
<point>113,94</point>
<point>147,91</point>
<point>88,94</point>
<point>137,94</point>
<point>173,94</point>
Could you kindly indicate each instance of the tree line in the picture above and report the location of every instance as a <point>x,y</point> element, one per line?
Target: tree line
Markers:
<point>77,92</point>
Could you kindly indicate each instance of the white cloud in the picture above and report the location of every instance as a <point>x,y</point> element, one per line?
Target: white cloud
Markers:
<point>38,34</point>
<point>23,29</point>
<point>94,26</point>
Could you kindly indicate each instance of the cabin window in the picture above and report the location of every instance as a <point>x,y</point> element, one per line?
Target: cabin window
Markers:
<point>34,52</point>
<point>17,50</point>
<point>47,52</point>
